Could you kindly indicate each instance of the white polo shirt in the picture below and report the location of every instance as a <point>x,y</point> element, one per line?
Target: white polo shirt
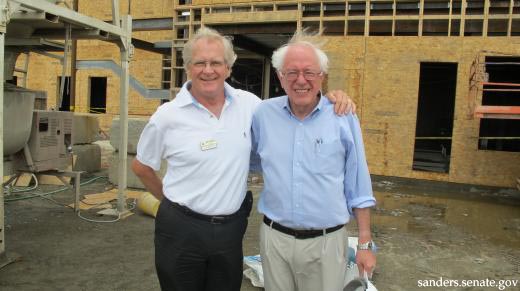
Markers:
<point>208,157</point>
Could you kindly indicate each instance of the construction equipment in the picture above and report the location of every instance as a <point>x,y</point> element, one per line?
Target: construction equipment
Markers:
<point>50,143</point>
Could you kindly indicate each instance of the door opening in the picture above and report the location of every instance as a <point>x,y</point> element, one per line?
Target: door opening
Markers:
<point>434,126</point>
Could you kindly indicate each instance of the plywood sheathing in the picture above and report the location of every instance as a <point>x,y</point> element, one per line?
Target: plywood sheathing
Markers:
<point>382,76</point>
<point>102,9</point>
<point>101,200</point>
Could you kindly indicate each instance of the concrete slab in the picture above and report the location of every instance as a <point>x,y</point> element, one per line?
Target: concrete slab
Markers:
<point>86,128</point>
<point>88,157</point>
<point>106,152</point>
<point>135,127</point>
<point>131,179</point>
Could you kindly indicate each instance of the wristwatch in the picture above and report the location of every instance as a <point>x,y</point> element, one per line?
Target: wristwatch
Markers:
<point>369,245</point>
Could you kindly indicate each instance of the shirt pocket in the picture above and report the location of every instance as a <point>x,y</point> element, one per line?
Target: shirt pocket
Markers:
<point>328,157</point>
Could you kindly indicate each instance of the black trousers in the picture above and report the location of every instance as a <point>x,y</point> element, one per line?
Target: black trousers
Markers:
<point>192,254</point>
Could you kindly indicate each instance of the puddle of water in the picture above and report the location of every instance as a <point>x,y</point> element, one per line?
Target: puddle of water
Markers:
<point>497,223</point>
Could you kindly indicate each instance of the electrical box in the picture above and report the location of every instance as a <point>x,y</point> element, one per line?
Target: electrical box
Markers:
<point>50,141</point>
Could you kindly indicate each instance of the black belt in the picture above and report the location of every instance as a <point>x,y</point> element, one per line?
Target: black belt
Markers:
<point>244,210</point>
<point>301,233</point>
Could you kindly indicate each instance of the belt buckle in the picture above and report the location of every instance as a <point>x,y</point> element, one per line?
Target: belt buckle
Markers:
<point>298,235</point>
<point>217,219</point>
<point>303,234</point>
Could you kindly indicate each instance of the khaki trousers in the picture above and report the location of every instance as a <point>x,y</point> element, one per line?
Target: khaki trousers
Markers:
<point>314,264</point>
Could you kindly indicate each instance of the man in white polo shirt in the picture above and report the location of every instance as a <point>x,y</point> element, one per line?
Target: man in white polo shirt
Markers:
<point>204,135</point>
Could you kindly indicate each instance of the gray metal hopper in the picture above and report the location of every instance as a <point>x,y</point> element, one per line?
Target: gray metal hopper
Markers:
<point>18,111</point>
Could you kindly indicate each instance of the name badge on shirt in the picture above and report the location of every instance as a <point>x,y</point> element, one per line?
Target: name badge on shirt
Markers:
<point>208,145</point>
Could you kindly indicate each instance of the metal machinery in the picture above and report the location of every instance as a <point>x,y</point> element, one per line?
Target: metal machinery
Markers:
<point>44,136</point>
<point>50,142</point>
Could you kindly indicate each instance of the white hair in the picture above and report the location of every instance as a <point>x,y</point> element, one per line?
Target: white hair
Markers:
<point>208,33</point>
<point>302,38</point>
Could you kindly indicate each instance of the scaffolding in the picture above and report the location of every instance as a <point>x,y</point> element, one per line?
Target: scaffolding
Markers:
<point>46,20</point>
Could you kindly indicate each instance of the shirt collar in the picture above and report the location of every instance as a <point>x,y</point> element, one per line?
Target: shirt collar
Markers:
<point>184,97</point>
<point>323,101</point>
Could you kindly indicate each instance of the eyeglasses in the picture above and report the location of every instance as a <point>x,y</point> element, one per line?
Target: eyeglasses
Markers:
<point>213,64</point>
<point>308,75</point>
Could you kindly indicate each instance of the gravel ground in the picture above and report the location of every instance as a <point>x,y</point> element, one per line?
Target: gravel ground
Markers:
<point>425,231</point>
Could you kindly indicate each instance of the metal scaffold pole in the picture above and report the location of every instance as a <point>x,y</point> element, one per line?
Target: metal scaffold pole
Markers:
<point>80,26</point>
<point>4,14</point>
<point>126,53</point>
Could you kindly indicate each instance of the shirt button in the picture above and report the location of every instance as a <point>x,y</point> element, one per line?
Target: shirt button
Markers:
<point>298,164</point>
<point>297,205</point>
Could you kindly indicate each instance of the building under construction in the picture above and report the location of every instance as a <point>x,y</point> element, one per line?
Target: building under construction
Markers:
<point>437,82</point>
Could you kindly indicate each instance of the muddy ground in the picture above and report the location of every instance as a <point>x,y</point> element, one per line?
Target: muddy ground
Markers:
<point>424,230</point>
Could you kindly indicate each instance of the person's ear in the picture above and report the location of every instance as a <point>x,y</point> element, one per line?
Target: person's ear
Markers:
<point>280,77</point>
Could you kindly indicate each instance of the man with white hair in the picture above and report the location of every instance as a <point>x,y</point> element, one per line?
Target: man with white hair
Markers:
<point>204,135</point>
<point>315,178</point>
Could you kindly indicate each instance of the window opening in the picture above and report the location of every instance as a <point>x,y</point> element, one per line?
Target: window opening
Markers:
<point>98,94</point>
<point>501,89</point>
<point>65,97</point>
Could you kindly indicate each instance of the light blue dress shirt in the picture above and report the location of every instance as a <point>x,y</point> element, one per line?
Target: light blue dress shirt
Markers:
<point>315,171</point>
